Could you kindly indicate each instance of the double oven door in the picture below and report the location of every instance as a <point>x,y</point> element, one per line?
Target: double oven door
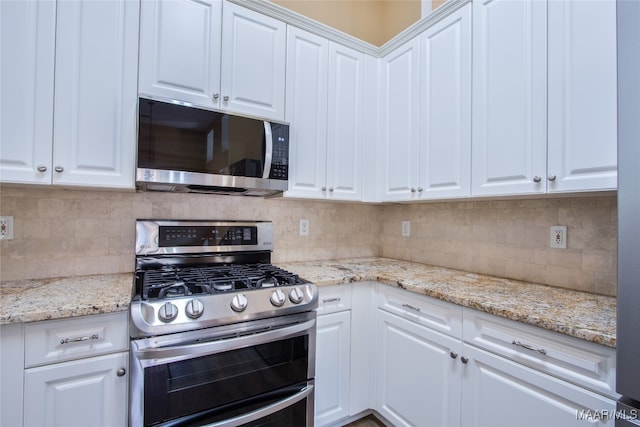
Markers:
<point>257,373</point>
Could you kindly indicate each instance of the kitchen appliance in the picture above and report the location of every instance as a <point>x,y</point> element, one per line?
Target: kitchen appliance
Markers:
<point>628,316</point>
<point>183,148</point>
<point>219,335</point>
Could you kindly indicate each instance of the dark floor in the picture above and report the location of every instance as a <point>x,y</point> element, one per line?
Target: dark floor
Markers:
<point>368,421</point>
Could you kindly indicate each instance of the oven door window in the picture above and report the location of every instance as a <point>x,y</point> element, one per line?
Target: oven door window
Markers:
<point>220,383</point>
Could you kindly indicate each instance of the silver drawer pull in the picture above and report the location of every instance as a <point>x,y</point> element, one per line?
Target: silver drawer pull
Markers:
<point>410,307</point>
<point>336,299</point>
<point>529,347</point>
<point>79,339</point>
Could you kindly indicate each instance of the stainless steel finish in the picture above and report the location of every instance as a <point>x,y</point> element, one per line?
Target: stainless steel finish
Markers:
<point>216,95</point>
<point>529,347</point>
<point>167,312</point>
<point>239,303</point>
<point>328,300</point>
<point>121,372</point>
<point>410,307</point>
<point>179,181</point>
<point>628,315</point>
<point>464,360</point>
<point>278,298</point>
<point>194,308</point>
<point>225,98</point>
<point>79,339</point>
<point>147,234</point>
<point>453,355</point>
<point>537,179</point>
<point>59,169</point>
<point>268,155</point>
<point>265,411</point>
<point>42,168</point>
<point>551,177</point>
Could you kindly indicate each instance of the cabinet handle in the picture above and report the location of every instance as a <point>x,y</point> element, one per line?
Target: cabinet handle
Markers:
<point>464,360</point>
<point>413,190</point>
<point>79,339</point>
<point>59,169</point>
<point>324,189</point>
<point>529,347</point>
<point>327,300</point>
<point>537,179</point>
<point>453,354</point>
<point>410,307</point>
<point>42,168</point>
<point>225,98</point>
<point>120,372</point>
<point>216,95</point>
<point>420,190</point>
<point>331,189</point>
<point>551,177</point>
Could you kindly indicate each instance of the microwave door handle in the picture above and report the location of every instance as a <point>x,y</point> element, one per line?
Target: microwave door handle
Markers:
<point>268,151</point>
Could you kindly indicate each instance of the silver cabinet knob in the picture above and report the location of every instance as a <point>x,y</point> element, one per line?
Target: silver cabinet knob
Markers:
<point>464,360</point>
<point>551,177</point>
<point>413,190</point>
<point>168,312</point>
<point>120,372</point>
<point>59,169</point>
<point>537,179</point>
<point>453,354</point>
<point>420,190</point>
<point>225,98</point>
<point>216,95</point>
<point>331,189</point>
<point>42,168</point>
<point>324,189</point>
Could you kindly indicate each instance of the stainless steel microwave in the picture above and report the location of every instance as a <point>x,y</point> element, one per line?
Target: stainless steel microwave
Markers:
<point>183,148</point>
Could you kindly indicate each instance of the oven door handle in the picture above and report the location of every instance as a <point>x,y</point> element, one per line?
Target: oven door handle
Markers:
<point>264,411</point>
<point>182,352</point>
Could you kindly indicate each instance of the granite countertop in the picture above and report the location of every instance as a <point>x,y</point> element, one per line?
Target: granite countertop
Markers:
<point>578,314</point>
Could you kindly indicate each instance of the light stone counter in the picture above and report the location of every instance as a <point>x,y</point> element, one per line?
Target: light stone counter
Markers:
<point>33,300</point>
<point>578,314</point>
<point>582,315</point>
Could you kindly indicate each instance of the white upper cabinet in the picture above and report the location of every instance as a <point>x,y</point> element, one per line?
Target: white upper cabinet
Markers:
<point>399,115</point>
<point>27,37</point>
<point>509,97</point>
<point>582,135</point>
<point>445,116</point>
<point>94,135</point>
<point>213,54</point>
<point>92,90</point>
<point>306,111</point>
<point>325,106</point>
<point>180,44</point>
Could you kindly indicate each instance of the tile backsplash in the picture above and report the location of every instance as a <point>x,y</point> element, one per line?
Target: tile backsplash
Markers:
<point>60,232</point>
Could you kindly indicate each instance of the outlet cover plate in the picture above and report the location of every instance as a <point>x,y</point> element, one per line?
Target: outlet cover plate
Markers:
<point>406,228</point>
<point>304,227</point>
<point>558,237</point>
<point>6,228</point>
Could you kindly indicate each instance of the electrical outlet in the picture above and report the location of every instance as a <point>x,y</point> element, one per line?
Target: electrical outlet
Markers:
<point>304,227</point>
<point>6,228</point>
<point>406,229</point>
<point>558,237</point>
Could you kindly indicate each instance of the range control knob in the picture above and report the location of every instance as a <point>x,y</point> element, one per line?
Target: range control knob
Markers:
<point>168,312</point>
<point>296,295</point>
<point>194,309</point>
<point>239,303</point>
<point>278,298</point>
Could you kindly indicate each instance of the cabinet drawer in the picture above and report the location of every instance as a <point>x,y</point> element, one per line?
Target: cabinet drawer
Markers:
<point>333,299</point>
<point>440,315</point>
<point>586,364</point>
<point>58,340</point>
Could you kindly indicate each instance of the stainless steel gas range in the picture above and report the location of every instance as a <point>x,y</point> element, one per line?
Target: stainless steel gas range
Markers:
<point>219,335</point>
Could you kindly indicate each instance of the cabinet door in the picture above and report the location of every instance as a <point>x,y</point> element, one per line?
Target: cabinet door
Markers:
<point>399,114</point>
<point>85,392</point>
<point>445,141</point>
<point>582,141</point>
<point>306,110</point>
<point>509,97</point>
<point>96,93</point>
<point>253,63</point>
<point>180,43</point>
<point>333,340</point>
<point>497,392</point>
<point>27,37</point>
<point>345,123</point>
<point>418,376</point>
